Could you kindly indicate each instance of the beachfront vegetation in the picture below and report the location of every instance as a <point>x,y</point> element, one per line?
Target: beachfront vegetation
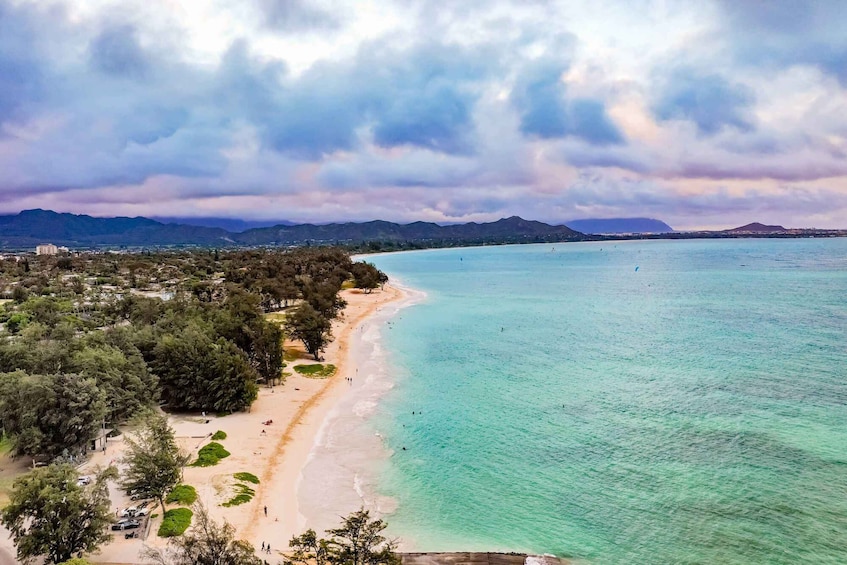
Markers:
<point>219,435</point>
<point>367,277</point>
<point>152,461</point>
<point>76,561</point>
<point>91,340</point>
<point>50,414</point>
<point>358,541</point>
<point>311,327</point>
<point>210,454</point>
<point>243,494</point>
<point>51,515</point>
<point>207,543</point>
<point>174,522</point>
<point>316,370</point>
<point>247,477</point>
<point>186,495</point>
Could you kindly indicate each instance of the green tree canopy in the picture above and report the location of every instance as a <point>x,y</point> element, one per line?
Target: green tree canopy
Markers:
<point>153,461</point>
<point>311,327</point>
<point>206,543</point>
<point>51,515</point>
<point>366,276</point>
<point>358,541</point>
<point>199,373</point>
<point>50,414</point>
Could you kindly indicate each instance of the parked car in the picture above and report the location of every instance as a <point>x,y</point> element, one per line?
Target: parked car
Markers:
<point>128,512</point>
<point>84,480</point>
<point>126,524</point>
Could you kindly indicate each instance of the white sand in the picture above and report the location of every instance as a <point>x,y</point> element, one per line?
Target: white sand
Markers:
<point>298,409</point>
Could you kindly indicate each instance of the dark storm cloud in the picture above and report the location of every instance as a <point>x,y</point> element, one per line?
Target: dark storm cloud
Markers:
<point>419,97</point>
<point>778,33</point>
<point>541,98</point>
<point>707,99</point>
<point>115,51</point>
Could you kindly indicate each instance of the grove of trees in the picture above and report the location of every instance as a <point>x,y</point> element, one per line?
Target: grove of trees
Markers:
<point>51,515</point>
<point>91,340</point>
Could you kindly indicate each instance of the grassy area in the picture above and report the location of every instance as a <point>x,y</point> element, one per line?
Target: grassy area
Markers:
<point>210,454</point>
<point>219,435</point>
<point>294,354</point>
<point>185,495</point>
<point>278,317</point>
<point>5,445</point>
<point>175,522</point>
<point>316,370</point>
<point>5,490</point>
<point>247,477</point>
<point>348,284</point>
<point>243,494</point>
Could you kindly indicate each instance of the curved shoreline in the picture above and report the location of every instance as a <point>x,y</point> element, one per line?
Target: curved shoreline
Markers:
<point>281,474</point>
<point>341,472</point>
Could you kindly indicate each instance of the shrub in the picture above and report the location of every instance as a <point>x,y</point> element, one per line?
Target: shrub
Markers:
<point>243,494</point>
<point>210,454</point>
<point>182,494</point>
<point>175,522</point>
<point>218,435</point>
<point>316,370</point>
<point>247,477</point>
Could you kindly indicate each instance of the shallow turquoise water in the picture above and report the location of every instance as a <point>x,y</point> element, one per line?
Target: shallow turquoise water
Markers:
<point>691,411</point>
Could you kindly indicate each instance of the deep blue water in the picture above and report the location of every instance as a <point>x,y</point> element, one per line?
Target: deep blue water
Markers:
<point>691,411</point>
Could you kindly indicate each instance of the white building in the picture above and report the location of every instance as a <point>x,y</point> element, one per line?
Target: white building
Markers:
<point>46,249</point>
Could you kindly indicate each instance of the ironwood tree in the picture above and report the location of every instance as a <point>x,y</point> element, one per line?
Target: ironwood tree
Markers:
<point>51,515</point>
<point>311,327</point>
<point>206,543</point>
<point>153,461</point>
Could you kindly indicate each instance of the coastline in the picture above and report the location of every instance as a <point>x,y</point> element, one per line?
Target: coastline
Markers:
<point>293,448</point>
<point>348,453</point>
<point>275,453</point>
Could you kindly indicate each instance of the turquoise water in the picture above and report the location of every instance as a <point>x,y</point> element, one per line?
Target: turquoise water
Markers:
<point>691,411</point>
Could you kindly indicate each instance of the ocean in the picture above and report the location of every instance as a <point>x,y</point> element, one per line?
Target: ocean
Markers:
<point>611,402</point>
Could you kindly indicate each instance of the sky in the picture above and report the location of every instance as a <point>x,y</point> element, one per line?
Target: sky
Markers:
<point>705,114</point>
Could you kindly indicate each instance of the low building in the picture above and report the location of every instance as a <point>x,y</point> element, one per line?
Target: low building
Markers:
<point>46,249</point>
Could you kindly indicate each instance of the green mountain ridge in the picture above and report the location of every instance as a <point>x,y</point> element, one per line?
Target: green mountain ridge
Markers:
<point>32,227</point>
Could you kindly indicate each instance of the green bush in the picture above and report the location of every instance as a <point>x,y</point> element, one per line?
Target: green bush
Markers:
<point>182,494</point>
<point>76,561</point>
<point>175,522</point>
<point>210,454</point>
<point>243,494</point>
<point>219,435</point>
<point>316,370</point>
<point>247,477</point>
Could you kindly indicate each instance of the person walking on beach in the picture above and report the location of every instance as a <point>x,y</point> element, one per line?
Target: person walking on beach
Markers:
<point>263,546</point>
<point>266,510</point>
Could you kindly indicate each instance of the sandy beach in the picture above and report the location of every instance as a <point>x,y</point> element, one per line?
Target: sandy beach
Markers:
<point>276,453</point>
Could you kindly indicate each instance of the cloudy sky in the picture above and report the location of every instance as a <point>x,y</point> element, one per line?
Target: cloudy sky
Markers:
<point>703,114</point>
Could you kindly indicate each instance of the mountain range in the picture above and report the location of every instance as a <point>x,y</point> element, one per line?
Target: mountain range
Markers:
<point>32,227</point>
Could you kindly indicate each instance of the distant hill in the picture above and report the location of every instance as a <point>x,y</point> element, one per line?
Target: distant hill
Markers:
<point>619,225</point>
<point>31,227</point>
<point>756,227</point>
<point>229,224</point>
<point>507,230</point>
